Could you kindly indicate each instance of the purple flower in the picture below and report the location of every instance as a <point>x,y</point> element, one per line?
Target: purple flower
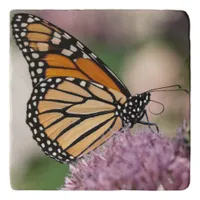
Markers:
<point>140,161</point>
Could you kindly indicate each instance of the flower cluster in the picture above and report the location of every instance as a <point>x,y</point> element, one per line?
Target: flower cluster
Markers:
<point>140,161</point>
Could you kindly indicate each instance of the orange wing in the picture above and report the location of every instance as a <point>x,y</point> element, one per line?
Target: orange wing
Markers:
<point>70,117</point>
<point>51,52</point>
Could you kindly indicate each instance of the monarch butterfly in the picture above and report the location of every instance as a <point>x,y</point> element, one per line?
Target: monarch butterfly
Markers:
<point>77,102</point>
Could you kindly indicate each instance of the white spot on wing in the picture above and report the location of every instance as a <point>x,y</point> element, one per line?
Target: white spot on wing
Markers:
<point>39,71</point>
<point>28,58</point>
<point>25,43</point>
<point>79,45</point>
<point>42,134</point>
<point>73,48</point>
<point>118,106</point>
<point>60,157</point>
<point>64,154</point>
<point>49,80</point>
<point>35,131</point>
<point>54,153</point>
<point>69,78</point>
<point>42,145</point>
<point>94,56</point>
<point>50,149</point>
<point>43,90</point>
<point>30,20</point>
<point>41,64</point>
<point>86,56</point>
<point>58,80</point>
<point>23,34</point>
<point>35,55</point>
<point>55,144</point>
<point>83,83</point>
<point>36,91</point>
<point>24,24</point>
<point>67,52</point>
<point>43,84</point>
<point>66,36</point>
<point>57,35</point>
<point>124,111</point>
<point>37,19</point>
<point>33,74</point>
<point>55,40</point>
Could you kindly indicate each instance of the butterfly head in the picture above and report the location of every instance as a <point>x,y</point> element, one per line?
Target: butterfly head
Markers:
<point>134,108</point>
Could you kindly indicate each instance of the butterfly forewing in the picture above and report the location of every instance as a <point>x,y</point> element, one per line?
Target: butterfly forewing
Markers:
<point>51,52</point>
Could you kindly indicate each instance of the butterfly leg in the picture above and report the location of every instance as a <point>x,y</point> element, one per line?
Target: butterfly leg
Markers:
<point>149,124</point>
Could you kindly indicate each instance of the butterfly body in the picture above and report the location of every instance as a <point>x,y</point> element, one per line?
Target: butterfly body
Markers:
<point>133,109</point>
<point>77,102</point>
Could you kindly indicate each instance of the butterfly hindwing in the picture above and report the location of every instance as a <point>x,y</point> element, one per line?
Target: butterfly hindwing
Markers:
<point>70,117</point>
<point>51,52</point>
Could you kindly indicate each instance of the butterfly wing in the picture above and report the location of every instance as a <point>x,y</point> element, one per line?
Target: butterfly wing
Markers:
<point>70,117</point>
<point>51,52</point>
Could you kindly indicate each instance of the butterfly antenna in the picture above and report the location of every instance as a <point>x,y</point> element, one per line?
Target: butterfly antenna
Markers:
<point>163,108</point>
<point>170,88</point>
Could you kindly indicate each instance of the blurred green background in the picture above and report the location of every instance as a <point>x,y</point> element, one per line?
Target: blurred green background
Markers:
<point>146,49</point>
